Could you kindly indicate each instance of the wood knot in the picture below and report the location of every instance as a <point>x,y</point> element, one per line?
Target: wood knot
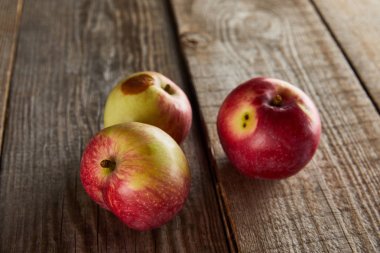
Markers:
<point>195,40</point>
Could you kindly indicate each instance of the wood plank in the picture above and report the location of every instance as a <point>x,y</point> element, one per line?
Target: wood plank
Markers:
<point>356,26</point>
<point>333,204</point>
<point>70,54</point>
<point>10,14</point>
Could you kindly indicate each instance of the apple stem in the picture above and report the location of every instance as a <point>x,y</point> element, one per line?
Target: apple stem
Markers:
<point>277,100</point>
<point>108,164</point>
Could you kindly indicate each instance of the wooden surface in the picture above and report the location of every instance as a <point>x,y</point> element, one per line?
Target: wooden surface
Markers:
<point>355,24</point>
<point>70,53</point>
<point>331,206</point>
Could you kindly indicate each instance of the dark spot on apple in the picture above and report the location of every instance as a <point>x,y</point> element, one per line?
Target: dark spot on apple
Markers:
<point>246,116</point>
<point>168,88</point>
<point>244,125</point>
<point>137,84</point>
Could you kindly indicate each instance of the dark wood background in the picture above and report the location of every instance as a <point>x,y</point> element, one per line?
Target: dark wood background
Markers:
<point>59,59</point>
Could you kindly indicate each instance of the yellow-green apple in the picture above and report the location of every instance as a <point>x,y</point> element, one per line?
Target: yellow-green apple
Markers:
<point>268,128</point>
<point>152,98</point>
<point>138,172</point>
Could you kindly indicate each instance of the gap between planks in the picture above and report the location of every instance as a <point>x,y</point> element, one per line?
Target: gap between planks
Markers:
<point>8,74</point>
<point>184,68</point>
<point>345,55</point>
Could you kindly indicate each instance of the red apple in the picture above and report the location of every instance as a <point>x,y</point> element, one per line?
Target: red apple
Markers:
<point>268,128</point>
<point>151,98</point>
<point>138,172</point>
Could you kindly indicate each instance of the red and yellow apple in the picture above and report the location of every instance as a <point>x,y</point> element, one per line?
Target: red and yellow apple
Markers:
<point>138,172</point>
<point>151,98</point>
<point>268,128</point>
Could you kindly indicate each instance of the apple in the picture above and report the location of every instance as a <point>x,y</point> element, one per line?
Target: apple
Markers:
<point>151,98</point>
<point>138,172</point>
<point>268,128</point>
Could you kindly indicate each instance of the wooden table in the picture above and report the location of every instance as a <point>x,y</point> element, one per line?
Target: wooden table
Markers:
<point>59,59</point>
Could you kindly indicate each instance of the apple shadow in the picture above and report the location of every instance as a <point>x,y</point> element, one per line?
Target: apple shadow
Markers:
<point>244,189</point>
<point>94,227</point>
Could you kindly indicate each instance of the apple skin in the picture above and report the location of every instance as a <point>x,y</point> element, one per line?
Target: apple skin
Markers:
<point>146,179</point>
<point>268,128</point>
<point>151,98</point>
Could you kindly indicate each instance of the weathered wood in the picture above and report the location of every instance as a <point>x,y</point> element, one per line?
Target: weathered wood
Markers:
<point>70,54</point>
<point>356,26</point>
<point>10,14</point>
<point>333,204</point>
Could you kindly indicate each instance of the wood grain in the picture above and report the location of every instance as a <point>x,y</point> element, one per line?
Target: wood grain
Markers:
<point>70,55</point>
<point>356,26</point>
<point>10,15</point>
<point>333,205</point>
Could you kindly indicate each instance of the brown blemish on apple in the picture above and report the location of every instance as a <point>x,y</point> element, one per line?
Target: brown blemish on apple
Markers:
<point>137,84</point>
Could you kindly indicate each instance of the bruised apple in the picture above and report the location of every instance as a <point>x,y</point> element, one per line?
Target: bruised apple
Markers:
<point>152,98</point>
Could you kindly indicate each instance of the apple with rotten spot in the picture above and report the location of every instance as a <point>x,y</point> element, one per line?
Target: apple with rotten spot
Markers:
<point>138,172</point>
<point>151,98</point>
<point>268,128</point>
